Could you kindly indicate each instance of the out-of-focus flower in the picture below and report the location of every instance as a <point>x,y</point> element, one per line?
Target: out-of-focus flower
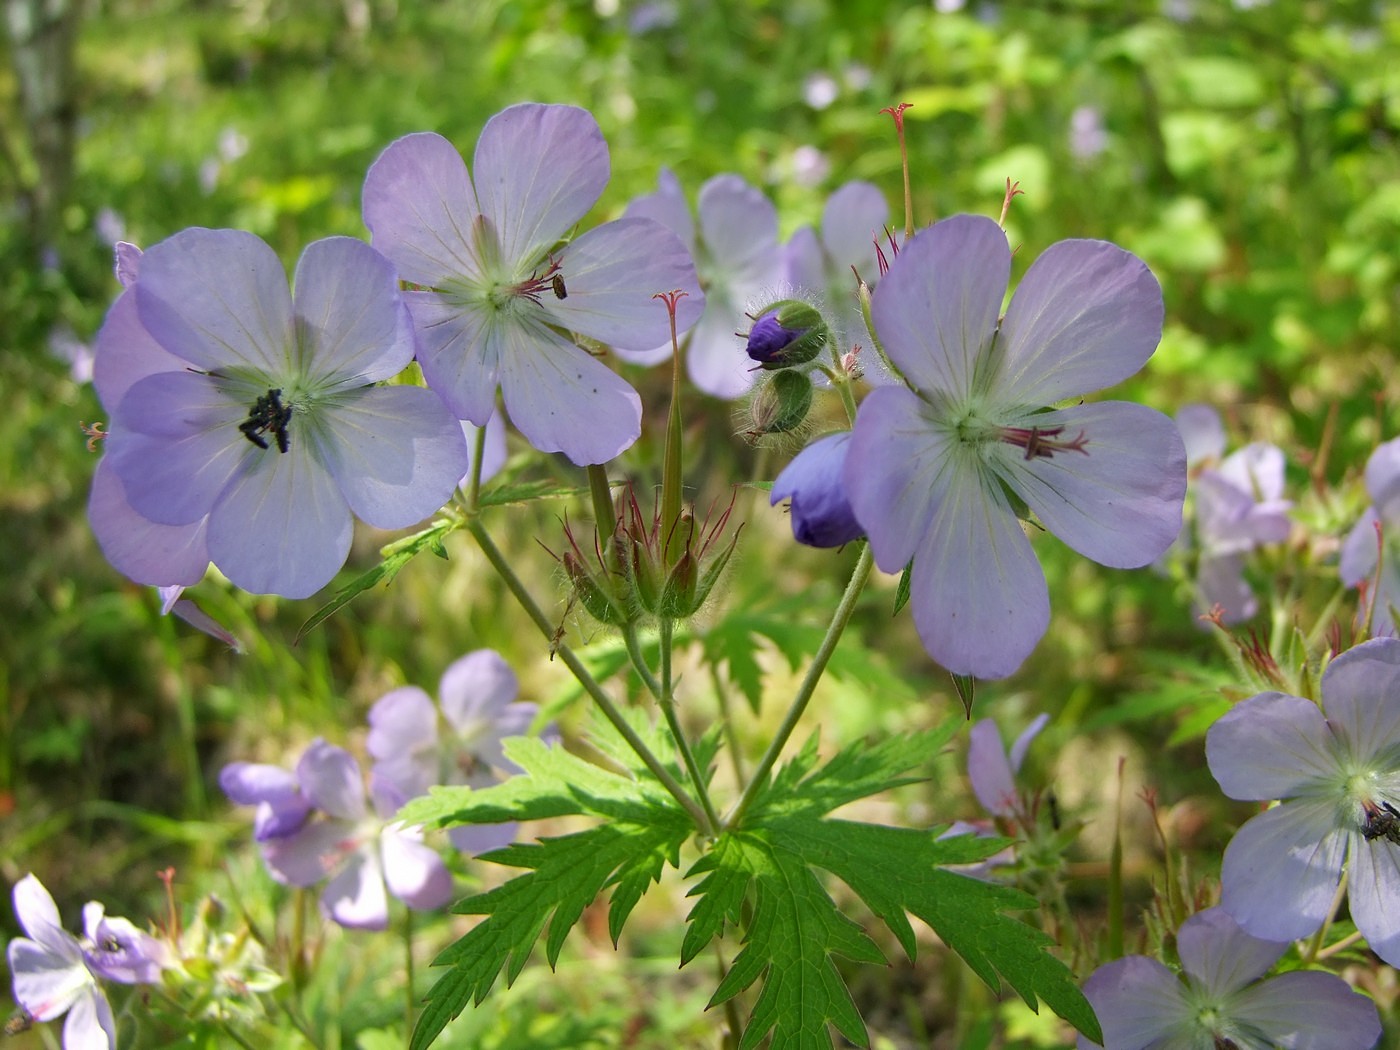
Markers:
<point>736,253</point>
<point>809,166</point>
<point>819,90</point>
<point>270,431</point>
<point>416,743</point>
<point>360,850</point>
<point>1363,548</point>
<point>852,221</point>
<point>282,809</point>
<point>493,448</point>
<point>1220,1001</point>
<point>1239,506</point>
<point>110,226</point>
<point>1087,138</point>
<point>933,467</point>
<point>992,770</point>
<point>499,286</point>
<point>812,483</point>
<point>65,345</point>
<point>1337,772</point>
<point>56,973</point>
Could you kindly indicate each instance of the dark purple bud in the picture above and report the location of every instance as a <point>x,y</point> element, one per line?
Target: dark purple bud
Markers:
<point>768,339</point>
<point>821,513</point>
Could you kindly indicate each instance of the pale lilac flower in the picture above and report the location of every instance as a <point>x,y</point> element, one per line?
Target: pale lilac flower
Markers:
<point>416,743</point>
<point>992,770</point>
<point>1087,138</point>
<point>819,90</point>
<point>282,808</point>
<point>1203,434</point>
<point>500,286</point>
<point>270,431</point>
<point>55,973</point>
<point>812,482</point>
<point>139,548</point>
<point>809,166</point>
<point>493,448</point>
<point>361,850</point>
<point>1239,506</point>
<point>1362,549</point>
<point>1219,999</point>
<point>1337,770</point>
<point>933,468</point>
<point>853,220</point>
<point>736,252</point>
<point>65,345</point>
<point>109,226</point>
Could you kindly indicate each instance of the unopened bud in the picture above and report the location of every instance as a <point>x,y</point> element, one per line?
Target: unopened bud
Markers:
<point>780,405</point>
<point>789,332</point>
<point>592,595</point>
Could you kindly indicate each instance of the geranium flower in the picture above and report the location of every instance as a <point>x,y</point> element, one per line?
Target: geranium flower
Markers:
<point>992,770</point>
<point>821,513</point>
<point>852,220</point>
<point>1219,1001</point>
<point>736,251</point>
<point>359,850</point>
<point>501,290</point>
<point>271,427</point>
<point>1239,506</point>
<point>936,471</point>
<point>414,748</point>
<point>1361,549</point>
<point>1337,770</point>
<point>55,973</point>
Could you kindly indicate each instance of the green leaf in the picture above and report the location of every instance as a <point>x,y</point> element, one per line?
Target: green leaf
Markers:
<point>902,590</point>
<point>793,934</point>
<point>644,833</point>
<point>395,556</point>
<point>527,492</point>
<point>775,859</point>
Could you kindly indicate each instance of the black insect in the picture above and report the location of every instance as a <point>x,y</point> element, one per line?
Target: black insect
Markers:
<point>560,292</point>
<point>1382,822</point>
<point>268,414</point>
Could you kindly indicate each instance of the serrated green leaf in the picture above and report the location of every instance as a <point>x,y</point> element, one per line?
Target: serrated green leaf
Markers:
<point>855,772</point>
<point>395,556</point>
<point>793,935</point>
<point>897,870</point>
<point>721,895</point>
<point>554,783</point>
<point>527,492</point>
<point>564,876</point>
<point>731,644</point>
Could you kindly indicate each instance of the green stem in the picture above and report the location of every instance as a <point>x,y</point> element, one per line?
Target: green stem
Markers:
<point>726,719</point>
<point>673,722</point>
<point>639,661</point>
<point>474,477</point>
<point>815,670</point>
<point>410,1003</point>
<point>672,477</point>
<point>590,685</point>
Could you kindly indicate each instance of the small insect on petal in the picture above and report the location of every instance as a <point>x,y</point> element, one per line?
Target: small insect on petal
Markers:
<point>560,292</point>
<point>1382,821</point>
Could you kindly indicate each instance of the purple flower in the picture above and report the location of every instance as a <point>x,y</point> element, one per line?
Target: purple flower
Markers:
<point>414,748</point>
<point>56,973</point>
<point>1337,770</point>
<point>934,467</point>
<point>1219,1001</point>
<point>139,548</point>
<point>360,850</point>
<point>992,771</point>
<point>852,221</point>
<point>737,254</point>
<point>270,431</point>
<point>499,289</point>
<point>1239,506</point>
<point>1087,138</point>
<point>812,482</point>
<point>1362,549</point>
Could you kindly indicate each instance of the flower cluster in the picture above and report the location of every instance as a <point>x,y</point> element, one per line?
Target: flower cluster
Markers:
<point>317,822</point>
<point>249,425</point>
<point>939,470</point>
<point>56,973</point>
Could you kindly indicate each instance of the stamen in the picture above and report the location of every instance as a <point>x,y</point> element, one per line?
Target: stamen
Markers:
<point>1043,442</point>
<point>534,286</point>
<point>268,414</point>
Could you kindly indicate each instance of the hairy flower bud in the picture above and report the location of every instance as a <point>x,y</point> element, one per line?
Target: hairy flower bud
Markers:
<point>780,405</point>
<point>788,332</point>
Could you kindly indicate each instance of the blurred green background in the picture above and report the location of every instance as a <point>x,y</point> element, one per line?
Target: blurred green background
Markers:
<point>1250,152</point>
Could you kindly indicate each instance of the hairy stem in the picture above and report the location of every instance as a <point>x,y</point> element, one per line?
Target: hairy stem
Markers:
<point>590,685</point>
<point>815,670</point>
<point>673,722</point>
